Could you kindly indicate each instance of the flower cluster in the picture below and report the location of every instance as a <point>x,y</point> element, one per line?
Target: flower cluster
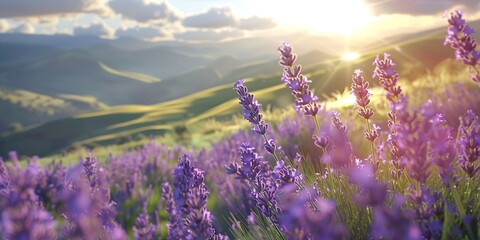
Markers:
<point>21,212</point>
<point>189,204</point>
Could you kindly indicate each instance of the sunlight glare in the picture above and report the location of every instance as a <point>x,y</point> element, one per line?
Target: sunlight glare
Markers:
<point>324,16</point>
<point>350,56</point>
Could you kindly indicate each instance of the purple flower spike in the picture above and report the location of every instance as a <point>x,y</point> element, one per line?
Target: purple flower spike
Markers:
<point>372,192</point>
<point>143,229</point>
<point>387,76</point>
<point>393,223</point>
<point>174,225</point>
<point>469,143</point>
<point>362,95</point>
<point>90,167</point>
<point>251,108</point>
<point>461,37</point>
<point>251,113</point>
<point>270,146</point>
<point>252,164</point>
<point>190,197</point>
<point>443,150</point>
<point>308,216</point>
<point>413,144</point>
<point>305,100</point>
<point>286,175</point>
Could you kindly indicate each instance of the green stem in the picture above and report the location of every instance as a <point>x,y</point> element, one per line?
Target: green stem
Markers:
<point>458,202</point>
<point>372,143</point>
<point>317,126</point>
<point>461,210</point>
<point>273,209</point>
<point>446,223</point>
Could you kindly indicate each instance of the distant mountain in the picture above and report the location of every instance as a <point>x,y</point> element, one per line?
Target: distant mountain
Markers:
<point>12,54</point>
<point>225,64</point>
<point>179,86</point>
<point>161,62</point>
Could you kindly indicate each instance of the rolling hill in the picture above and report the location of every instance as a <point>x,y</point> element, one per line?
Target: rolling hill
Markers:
<point>114,77</point>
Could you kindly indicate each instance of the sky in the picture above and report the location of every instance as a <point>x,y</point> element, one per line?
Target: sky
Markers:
<point>215,20</point>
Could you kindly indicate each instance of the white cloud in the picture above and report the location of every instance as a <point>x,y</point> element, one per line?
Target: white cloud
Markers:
<point>215,17</point>
<point>23,28</point>
<point>4,26</point>
<point>142,11</point>
<point>256,23</point>
<point>98,29</point>
<point>140,32</point>
<point>33,8</point>
<point>208,35</point>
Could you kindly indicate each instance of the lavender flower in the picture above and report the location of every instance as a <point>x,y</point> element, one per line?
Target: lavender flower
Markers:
<point>427,204</point>
<point>190,197</point>
<point>308,216</point>
<point>174,225</point>
<point>144,229</point>
<point>461,37</point>
<point>393,223</point>
<point>362,96</point>
<point>258,175</point>
<point>340,151</point>
<point>4,179</point>
<point>284,175</point>
<point>252,164</point>
<point>443,151</point>
<point>251,112</point>
<point>413,144</point>
<point>469,143</point>
<point>387,76</point>
<point>251,108</point>
<point>372,192</point>
<point>22,216</point>
<point>90,167</point>
<point>305,100</point>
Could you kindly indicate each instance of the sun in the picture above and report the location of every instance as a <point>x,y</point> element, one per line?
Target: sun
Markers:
<point>350,56</point>
<point>322,16</point>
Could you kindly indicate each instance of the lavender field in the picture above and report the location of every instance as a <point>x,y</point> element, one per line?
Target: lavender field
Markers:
<point>402,163</point>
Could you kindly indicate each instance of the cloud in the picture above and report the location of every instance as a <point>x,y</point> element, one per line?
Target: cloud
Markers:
<point>99,29</point>
<point>4,26</point>
<point>33,8</point>
<point>140,32</point>
<point>142,11</point>
<point>215,17</point>
<point>256,23</point>
<point>23,28</point>
<point>417,7</point>
<point>208,35</point>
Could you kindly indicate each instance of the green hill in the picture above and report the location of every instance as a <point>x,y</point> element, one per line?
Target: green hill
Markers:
<point>329,73</point>
<point>25,108</point>
<point>76,73</point>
